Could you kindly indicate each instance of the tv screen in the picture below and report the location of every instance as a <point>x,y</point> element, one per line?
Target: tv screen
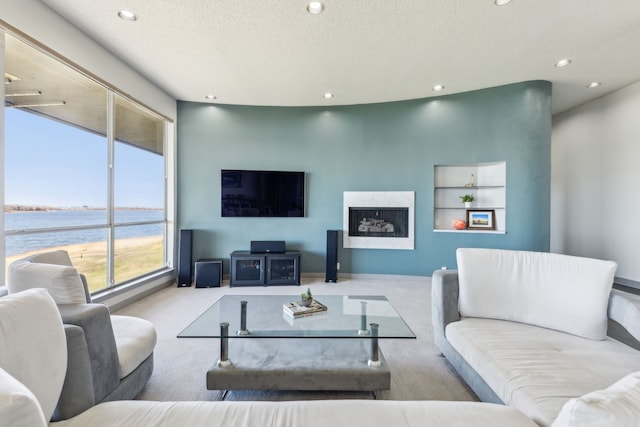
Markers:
<point>262,193</point>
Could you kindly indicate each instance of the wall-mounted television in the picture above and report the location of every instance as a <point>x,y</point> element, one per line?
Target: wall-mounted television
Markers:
<point>253,193</point>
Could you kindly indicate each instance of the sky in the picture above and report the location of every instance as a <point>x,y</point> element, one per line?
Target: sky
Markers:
<point>51,164</point>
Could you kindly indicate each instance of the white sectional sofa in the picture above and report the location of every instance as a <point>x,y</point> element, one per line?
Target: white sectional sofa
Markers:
<point>33,363</point>
<point>529,330</point>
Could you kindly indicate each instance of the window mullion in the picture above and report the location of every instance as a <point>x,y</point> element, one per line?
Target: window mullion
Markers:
<point>2,147</point>
<point>110,189</point>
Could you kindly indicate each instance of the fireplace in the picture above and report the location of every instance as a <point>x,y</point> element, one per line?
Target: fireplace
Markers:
<point>378,222</point>
<point>378,219</point>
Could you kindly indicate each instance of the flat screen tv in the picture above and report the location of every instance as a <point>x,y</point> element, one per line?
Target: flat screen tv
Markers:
<point>252,193</point>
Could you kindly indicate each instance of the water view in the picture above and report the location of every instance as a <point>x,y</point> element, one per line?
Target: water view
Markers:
<point>19,244</point>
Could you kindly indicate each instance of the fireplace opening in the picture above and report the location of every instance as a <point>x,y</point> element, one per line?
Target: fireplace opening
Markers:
<point>379,222</point>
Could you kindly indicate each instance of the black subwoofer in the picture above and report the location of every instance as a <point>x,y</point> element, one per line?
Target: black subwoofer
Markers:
<point>208,273</point>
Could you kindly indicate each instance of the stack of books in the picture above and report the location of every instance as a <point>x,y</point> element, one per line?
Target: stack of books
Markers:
<point>297,310</point>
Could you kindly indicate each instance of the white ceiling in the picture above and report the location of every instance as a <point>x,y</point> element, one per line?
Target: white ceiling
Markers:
<point>273,52</point>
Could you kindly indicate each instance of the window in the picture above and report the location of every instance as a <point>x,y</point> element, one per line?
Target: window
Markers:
<point>84,170</point>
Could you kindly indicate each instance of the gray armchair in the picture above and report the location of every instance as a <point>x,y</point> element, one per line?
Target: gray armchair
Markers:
<point>112,356</point>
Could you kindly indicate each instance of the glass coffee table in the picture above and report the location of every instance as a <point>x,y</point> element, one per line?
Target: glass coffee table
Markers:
<point>335,350</point>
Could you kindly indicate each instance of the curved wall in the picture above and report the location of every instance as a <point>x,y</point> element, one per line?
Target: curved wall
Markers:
<point>377,147</point>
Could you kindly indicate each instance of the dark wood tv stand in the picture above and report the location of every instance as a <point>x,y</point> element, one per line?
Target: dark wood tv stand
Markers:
<point>265,269</point>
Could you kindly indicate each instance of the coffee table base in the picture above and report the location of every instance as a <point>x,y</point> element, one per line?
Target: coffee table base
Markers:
<point>300,364</point>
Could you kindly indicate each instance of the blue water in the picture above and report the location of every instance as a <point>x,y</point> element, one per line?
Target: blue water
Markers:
<point>15,245</point>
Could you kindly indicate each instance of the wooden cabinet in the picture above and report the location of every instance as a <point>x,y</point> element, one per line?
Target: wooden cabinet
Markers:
<point>486,182</point>
<point>266,269</point>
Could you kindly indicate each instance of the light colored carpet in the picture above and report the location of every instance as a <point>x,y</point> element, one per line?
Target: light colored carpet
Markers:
<point>418,371</point>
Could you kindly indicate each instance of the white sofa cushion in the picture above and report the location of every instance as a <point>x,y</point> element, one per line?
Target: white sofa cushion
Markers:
<point>618,405</point>
<point>63,282</point>
<point>318,413</point>
<point>536,370</point>
<point>33,345</point>
<point>135,341</point>
<point>18,406</point>
<point>561,292</point>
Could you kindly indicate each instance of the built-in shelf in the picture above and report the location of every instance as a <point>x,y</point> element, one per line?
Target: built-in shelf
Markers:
<point>478,187</point>
<point>485,181</point>
<point>458,207</point>
<point>470,231</point>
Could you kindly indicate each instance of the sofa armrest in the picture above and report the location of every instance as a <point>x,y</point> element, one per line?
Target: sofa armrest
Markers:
<point>95,321</point>
<point>77,391</point>
<point>85,285</point>
<point>444,300</point>
<point>624,317</point>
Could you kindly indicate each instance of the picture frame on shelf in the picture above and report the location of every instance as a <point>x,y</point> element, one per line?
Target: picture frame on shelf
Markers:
<point>481,219</point>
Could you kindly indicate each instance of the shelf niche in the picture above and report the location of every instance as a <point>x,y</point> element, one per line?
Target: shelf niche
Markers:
<point>485,181</point>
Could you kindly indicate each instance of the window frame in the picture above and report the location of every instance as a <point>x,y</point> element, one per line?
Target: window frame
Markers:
<point>168,208</point>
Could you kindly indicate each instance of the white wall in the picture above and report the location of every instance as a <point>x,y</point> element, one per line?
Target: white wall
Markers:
<point>595,181</point>
<point>40,23</point>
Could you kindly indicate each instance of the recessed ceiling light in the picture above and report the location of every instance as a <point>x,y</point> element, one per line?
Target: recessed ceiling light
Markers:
<point>563,63</point>
<point>210,97</point>
<point>438,88</point>
<point>593,85</point>
<point>502,2</point>
<point>328,95</point>
<point>315,7</point>
<point>10,78</point>
<point>127,15</point>
<point>13,95</point>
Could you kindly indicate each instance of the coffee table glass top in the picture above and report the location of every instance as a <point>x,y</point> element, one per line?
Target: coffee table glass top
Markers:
<point>265,318</point>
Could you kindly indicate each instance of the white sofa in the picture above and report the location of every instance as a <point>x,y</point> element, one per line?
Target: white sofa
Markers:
<point>529,330</point>
<point>33,362</point>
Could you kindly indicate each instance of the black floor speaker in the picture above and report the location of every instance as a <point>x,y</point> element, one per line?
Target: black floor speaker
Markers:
<point>208,273</point>
<point>332,257</point>
<point>185,270</point>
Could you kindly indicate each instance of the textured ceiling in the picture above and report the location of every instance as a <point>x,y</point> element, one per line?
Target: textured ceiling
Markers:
<point>272,52</point>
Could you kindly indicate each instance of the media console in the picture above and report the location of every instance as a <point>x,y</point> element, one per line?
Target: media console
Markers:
<point>264,269</point>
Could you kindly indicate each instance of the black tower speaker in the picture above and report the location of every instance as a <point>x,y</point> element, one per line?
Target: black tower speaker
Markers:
<point>185,272</point>
<point>208,273</point>
<point>332,257</point>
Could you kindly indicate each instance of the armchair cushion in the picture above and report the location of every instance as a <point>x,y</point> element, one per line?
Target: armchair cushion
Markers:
<point>618,405</point>
<point>135,340</point>
<point>536,288</point>
<point>40,364</point>
<point>63,282</point>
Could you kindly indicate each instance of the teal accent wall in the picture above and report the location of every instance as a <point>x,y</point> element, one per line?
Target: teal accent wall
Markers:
<point>375,147</point>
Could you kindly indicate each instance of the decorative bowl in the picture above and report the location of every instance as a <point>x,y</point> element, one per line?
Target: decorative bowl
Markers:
<point>306,301</point>
<point>459,224</point>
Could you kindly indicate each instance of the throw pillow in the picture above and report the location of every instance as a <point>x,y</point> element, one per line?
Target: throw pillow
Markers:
<point>33,345</point>
<point>616,406</point>
<point>18,406</point>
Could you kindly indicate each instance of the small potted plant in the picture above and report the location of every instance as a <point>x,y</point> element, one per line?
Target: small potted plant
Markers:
<point>467,199</point>
<point>306,298</point>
